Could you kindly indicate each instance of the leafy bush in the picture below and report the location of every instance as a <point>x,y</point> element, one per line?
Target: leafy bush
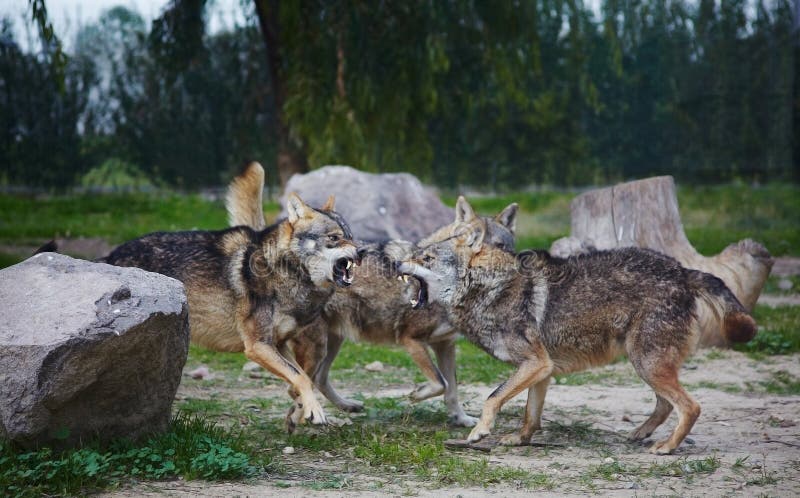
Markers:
<point>116,174</point>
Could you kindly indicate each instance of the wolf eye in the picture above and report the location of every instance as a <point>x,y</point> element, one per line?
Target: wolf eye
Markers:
<point>333,237</point>
<point>427,258</point>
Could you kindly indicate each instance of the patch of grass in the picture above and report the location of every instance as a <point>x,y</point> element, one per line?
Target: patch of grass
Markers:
<point>779,331</point>
<point>782,383</point>
<point>465,472</point>
<point>229,362</point>
<point>704,384</point>
<point>192,448</point>
<point>114,217</point>
<point>685,468</point>
<point>775,283</point>
<point>715,216</point>
<point>7,260</point>
<point>576,432</point>
<point>476,365</point>
<point>601,376</point>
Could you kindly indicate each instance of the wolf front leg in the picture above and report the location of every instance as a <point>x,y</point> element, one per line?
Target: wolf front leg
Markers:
<point>436,384</point>
<point>533,370</point>
<point>255,330</point>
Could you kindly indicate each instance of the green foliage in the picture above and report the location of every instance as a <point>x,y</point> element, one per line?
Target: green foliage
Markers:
<point>779,331</point>
<point>460,93</point>
<point>116,174</point>
<point>192,448</point>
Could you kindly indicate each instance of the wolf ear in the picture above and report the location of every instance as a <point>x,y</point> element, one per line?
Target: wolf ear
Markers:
<point>472,235</point>
<point>508,217</point>
<point>464,212</point>
<point>296,208</point>
<point>330,204</point>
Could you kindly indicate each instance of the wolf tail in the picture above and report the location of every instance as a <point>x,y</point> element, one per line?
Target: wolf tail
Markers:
<point>722,311</point>
<point>48,247</point>
<point>244,199</point>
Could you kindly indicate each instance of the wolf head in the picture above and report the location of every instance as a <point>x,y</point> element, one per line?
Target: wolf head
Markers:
<point>441,260</point>
<point>322,240</point>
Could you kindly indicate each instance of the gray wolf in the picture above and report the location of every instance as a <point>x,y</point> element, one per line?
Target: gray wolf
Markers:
<point>552,316</point>
<point>375,308</point>
<point>251,290</point>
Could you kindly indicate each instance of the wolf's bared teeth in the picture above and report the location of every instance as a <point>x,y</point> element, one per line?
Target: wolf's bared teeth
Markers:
<point>405,278</point>
<point>349,264</point>
<point>414,302</point>
<point>400,278</point>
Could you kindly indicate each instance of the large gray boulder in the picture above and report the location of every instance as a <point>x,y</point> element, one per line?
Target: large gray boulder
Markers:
<point>376,206</point>
<point>88,350</point>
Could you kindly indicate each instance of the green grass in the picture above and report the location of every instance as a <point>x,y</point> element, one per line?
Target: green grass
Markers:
<point>715,216</point>
<point>778,331</point>
<point>712,216</point>
<point>192,448</point>
<point>782,383</point>
<point>114,217</point>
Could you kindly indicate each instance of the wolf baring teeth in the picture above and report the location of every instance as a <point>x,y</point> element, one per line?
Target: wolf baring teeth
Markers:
<point>551,316</point>
<point>376,307</point>
<point>252,290</point>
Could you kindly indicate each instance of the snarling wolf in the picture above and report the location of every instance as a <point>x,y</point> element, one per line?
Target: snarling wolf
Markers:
<point>375,308</point>
<point>251,290</point>
<point>552,316</point>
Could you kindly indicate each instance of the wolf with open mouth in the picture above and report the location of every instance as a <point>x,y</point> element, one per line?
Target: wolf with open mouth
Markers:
<point>375,308</point>
<point>551,316</point>
<point>252,290</point>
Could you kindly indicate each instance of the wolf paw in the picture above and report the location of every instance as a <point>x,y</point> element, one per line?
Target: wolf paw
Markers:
<point>514,439</point>
<point>313,413</point>
<point>662,448</point>
<point>462,420</point>
<point>425,391</point>
<point>639,434</point>
<point>478,432</point>
<point>350,405</point>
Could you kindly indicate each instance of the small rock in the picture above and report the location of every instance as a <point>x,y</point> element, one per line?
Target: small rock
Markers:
<point>626,418</point>
<point>688,440</point>
<point>633,485</point>
<point>251,366</point>
<point>288,450</point>
<point>200,373</point>
<point>608,460</point>
<point>785,284</point>
<point>327,454</point>
<point>375,366</point>
<point>339,422</point>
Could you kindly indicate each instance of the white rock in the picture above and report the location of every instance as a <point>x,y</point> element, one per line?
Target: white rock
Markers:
<point>375,366</point>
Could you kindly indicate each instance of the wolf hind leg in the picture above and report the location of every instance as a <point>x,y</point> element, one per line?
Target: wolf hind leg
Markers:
<point>660,371</point>
<point>533,370</point>
<point>660,413</point>
<point>533,415</point>
<point>436,384</point>
<point>323,383</point>
<point>445,352</point>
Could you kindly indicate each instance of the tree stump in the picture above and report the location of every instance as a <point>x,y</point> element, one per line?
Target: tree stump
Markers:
<point>644,213</point>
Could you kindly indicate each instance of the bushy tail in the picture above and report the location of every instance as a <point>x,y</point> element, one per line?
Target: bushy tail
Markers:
<point>244,198</point>
<point>722,313</point>
<point>48,247</point>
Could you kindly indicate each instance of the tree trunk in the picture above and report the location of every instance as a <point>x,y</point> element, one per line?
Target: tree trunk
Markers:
<point>292,156</point>
<point>644,213</point>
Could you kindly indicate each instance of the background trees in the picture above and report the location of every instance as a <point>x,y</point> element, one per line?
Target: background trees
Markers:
<point>499,94</point>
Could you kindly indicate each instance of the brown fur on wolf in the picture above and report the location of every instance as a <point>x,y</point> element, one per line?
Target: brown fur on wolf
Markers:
<point>375,308</point>
<point>551,316</point>
<point>251,290</point>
